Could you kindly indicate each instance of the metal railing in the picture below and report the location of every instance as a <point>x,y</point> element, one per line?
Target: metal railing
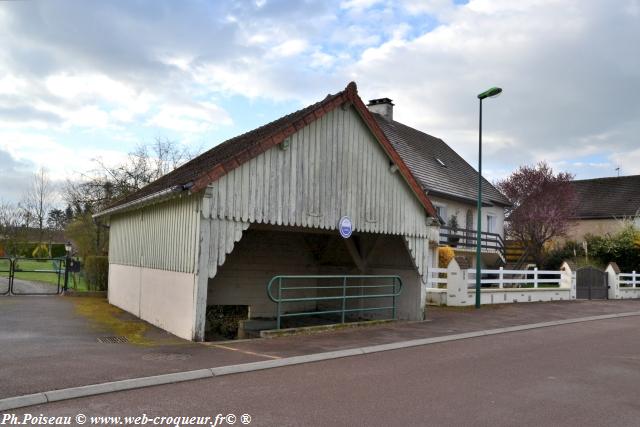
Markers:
<point>57,266</point>
<point>343,293</point>
<point>467,238</point>
<point>6,272</point>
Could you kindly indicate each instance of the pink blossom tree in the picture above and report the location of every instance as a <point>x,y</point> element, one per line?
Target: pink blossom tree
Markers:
<point>542,205</point>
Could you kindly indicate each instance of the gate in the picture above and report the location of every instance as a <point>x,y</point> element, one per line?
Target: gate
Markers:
<point>32,276</point>
<point>5,275</point>
<point>591,283</point>
<point>329,295</point>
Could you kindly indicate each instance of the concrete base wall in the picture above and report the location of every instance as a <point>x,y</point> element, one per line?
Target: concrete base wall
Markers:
<point>162,298</point>
<point>507,296</point>
<point>629,293</point>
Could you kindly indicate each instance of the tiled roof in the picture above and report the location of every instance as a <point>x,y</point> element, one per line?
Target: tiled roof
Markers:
<point>213,164</point>
<point>438,168</point>
<point>614,197</point>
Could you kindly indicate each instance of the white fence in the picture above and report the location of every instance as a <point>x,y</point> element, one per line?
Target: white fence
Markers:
<point>456,286</point>
<point>502,279</point>
<point>629,280</point>
<point>623,285</point>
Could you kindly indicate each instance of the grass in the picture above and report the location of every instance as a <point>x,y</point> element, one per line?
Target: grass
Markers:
<point>26,269</point>
<point>111,320</point>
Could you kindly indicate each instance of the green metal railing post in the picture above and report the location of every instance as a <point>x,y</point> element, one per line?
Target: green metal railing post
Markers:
<point>393,314</point>
<point>344,296</point>
<point>279,302</point>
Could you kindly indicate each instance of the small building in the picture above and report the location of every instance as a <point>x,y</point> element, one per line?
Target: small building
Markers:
<point>267,203</point>
<point>605,205</point>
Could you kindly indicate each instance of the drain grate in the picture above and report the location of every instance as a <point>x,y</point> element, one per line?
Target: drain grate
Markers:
<point>112,340</point>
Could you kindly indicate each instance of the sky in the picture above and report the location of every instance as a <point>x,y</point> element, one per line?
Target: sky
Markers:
<point>82,80</point>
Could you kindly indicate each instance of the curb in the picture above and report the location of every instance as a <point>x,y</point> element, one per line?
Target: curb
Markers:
<point>136,383</point>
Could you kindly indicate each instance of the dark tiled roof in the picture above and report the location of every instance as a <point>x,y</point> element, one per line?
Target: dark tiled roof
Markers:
<point>421,152</point>
<point>213,164</point>
<point>248,142</point>
<point>614,197</point>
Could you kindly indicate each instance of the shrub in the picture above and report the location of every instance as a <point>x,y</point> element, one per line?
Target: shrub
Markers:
<point>223,320</point>
<point>40,251</point>
<point>569,251</point>
<point>58,250</point>
<point>96,271</point>
<point>445,255</point>
<point>622,247</point>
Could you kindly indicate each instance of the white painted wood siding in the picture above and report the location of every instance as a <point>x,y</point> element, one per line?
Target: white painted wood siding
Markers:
<point>162,236</point>
<point>419,249</point>
<point>333,167</point>
<point>224,235</point>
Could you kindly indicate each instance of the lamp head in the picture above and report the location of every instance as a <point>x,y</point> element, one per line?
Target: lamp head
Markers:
<point>494,91</point>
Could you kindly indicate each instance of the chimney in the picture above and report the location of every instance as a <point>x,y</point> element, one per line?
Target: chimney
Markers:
<point>382,106</point>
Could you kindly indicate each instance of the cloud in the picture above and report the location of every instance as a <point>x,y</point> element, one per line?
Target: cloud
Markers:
<point>190,118</point>
<point>567,79</point>
<point>15,176</point>
<point>73,69</point>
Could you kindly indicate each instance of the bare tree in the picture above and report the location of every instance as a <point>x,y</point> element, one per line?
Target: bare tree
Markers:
<point>11,226</point>
<point>38,200</point>
<point>106,183</point>
<point>543,204</point>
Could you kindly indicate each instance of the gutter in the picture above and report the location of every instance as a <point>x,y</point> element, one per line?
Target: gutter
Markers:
<point>154,197</point>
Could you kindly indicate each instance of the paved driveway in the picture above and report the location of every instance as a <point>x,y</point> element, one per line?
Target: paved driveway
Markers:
<point>51,342</point>
<point>31,287</point>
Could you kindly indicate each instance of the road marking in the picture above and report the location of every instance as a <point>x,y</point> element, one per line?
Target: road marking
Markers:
<point>246,351</point>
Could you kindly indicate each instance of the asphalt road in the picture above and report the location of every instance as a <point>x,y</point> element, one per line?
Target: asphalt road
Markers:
<point>585,374</point>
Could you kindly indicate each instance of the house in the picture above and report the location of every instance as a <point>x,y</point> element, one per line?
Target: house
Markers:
<point>604,205</point>
<point>452,186</point>
<point>330,191</point>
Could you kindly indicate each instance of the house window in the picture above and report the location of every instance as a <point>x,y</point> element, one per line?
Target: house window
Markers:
<point>442,212</point>
<point>491,223</point>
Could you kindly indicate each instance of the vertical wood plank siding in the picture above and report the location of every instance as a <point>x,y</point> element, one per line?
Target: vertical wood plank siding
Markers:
<point>419,249</point>
<point>332,167</point>
<point>162,236</point>
<point>224,235</point>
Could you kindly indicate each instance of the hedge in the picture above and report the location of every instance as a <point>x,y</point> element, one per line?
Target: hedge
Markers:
<point>25,250</point>
<point>96,271</point>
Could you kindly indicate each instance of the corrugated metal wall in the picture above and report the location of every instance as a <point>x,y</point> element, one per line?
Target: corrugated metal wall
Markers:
<point>162,236</point>
<point>332,167</point>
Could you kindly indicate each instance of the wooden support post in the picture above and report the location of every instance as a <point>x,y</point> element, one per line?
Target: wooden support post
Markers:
<point>355,255</point>
<point>201,284</point>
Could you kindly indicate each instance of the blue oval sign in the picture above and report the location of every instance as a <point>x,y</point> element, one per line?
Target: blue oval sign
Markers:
<point>345,226</point>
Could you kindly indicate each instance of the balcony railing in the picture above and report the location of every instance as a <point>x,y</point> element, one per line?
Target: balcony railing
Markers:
<point>466,239</point>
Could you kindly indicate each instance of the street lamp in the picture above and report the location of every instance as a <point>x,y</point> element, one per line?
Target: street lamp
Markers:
<point>494,91</point>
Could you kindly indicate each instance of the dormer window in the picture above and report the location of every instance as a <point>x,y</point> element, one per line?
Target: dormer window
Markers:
<point>440,162</point>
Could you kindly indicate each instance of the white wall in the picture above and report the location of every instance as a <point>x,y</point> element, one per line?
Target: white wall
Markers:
<point>162,298</point>
<point>460,209</point>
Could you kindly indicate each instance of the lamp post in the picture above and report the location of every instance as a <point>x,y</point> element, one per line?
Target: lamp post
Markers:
<point>68,248</point>
<point>494,91</point>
